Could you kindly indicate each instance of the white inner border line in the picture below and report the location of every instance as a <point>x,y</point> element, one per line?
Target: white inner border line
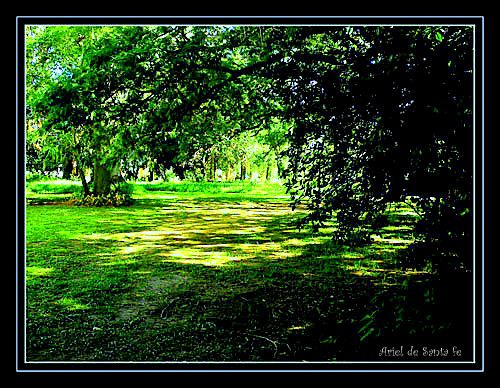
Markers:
<point>278,25</point>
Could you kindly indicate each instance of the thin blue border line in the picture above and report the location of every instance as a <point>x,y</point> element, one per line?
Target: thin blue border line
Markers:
<point>255,17</point>
<point>262,25</point>
<point>482,189</point>
<point>482,195</point>
<point>474,127</point>
<point>251,362</point>
<point>260,370</point>
<point>17,194</point>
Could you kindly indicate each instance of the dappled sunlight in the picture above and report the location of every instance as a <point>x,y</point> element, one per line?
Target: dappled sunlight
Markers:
<point>133,249</point>
<point>399,237</point>
<point>368,272</point>
<point>284,255</point>
<point>119,261</point>
<point>396,241</point>
<point>141,272</point>
<point>296,242</point>
<point>197,256</point>
<point>396,228</point>
<point>215,261</point>
<point>208,233</point>
<point>219,232</point>
<point>32,272</point>
<point>299,327</point>
<point>71,304</point>
<point>164,246</point>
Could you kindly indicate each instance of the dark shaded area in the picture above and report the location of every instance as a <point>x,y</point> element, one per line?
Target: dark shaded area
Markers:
<point>328,302</point>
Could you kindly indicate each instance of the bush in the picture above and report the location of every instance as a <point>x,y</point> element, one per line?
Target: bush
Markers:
<point>113,199</point>
<point>443,238</point>
<point>34,176</point>
<point>125,188</point>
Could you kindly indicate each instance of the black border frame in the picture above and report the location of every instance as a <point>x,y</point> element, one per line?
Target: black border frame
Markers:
<point>140,368</point>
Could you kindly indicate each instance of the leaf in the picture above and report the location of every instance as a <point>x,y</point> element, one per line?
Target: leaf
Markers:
<point>439,36</point>
<point>365,327</point>
<point>368,333</point>
<point>368,316</point>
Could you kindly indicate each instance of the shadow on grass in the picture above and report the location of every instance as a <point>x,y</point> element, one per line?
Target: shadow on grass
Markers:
<point>219,280</point>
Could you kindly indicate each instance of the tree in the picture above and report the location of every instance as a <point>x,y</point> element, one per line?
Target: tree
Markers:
<point>72,93</point>
<point>392,121</point>
<point>373,115</point>
<point>114,95</point>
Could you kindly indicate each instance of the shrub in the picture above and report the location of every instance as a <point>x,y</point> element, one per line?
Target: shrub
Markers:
<point>34,176</point>
<point>113,199</point>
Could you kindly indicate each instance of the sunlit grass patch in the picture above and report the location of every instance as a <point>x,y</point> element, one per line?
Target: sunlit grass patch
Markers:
<point>119,261</point>
<point>396,242</point>
<point>33,271</point>
<point>299,327</point>
<point>72,304</point>
<point>199,256</point>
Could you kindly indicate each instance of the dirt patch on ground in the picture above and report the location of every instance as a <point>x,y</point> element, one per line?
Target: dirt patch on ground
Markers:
<point>148,296</point>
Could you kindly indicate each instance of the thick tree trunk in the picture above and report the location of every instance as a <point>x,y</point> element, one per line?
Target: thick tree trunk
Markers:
<point>102,180</point>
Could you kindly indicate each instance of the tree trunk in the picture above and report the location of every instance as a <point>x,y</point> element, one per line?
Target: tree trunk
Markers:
<point>81,174</point>
<point>214,172</point>
<point>243,170</point>
<point>178,171</point>
<point>280,168</point>
<point>102,180</point>
<point>68,168</point>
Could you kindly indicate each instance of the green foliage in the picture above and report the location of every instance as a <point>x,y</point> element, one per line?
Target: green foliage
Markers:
<point>102,95</point>
<point>113,199</point>
<point>34,177</point>
<point>392,119</point>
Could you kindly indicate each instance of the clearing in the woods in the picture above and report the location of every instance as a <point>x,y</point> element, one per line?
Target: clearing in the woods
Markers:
<point>191,276</point>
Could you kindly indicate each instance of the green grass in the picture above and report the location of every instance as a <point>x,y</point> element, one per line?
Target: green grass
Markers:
<point>60,189</point>
<point>204,187</point>
<point>59,186</point>
<point>189,275</point>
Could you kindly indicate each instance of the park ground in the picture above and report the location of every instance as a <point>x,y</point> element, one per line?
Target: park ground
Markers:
<point>216,274</point>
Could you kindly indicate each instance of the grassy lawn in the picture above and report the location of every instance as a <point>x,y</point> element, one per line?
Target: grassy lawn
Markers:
<point>213,275</point>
